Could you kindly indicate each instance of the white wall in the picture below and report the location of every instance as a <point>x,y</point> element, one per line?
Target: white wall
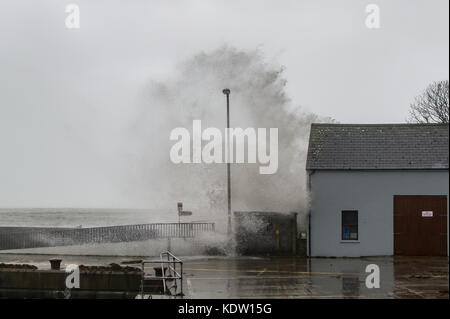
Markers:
<point>371,193</point>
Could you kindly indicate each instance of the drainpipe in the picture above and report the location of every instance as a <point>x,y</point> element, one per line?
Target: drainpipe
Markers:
<point>310,173</point>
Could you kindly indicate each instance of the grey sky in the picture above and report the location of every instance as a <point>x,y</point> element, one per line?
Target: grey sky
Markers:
<point>56,83</point>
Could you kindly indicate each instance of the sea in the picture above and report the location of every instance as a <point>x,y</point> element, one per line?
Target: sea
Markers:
<point>84,217</point>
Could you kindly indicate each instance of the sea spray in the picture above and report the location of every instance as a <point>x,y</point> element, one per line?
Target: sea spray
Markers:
<point>258,99</point>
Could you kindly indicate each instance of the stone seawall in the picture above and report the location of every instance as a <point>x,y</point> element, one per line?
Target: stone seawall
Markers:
<point>25,283</point>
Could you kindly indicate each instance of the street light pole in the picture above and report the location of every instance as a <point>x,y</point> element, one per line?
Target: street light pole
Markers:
<point>227,93</point>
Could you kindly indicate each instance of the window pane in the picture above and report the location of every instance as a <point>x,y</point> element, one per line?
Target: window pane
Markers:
<point>345,232</point>
<point>350,217</point>
<point>354,232</point>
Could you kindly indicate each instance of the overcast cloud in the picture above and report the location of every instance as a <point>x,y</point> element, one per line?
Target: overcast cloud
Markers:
<point>65,95</point>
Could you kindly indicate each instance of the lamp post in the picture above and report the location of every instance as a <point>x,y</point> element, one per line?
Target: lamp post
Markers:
<point>227,93</point>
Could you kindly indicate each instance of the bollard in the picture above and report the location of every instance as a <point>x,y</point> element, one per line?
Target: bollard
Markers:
<point>55,264</point>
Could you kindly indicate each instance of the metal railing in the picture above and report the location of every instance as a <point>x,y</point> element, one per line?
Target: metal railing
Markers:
<point>33,237</point>
<point>169,271</point>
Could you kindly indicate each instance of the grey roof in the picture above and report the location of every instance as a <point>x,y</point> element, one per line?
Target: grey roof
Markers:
<point>377,146</point>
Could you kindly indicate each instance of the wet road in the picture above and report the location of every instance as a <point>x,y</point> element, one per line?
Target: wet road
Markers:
<point>316,278</point>
<point>227,277</point>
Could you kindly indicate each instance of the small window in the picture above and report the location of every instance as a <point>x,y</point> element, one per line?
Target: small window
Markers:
<point>349,225</point>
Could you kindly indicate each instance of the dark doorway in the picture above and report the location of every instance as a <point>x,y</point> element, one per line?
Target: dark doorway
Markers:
<point>420,225</point>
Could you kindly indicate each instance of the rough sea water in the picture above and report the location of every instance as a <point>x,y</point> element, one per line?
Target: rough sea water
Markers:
<point>84,217</point>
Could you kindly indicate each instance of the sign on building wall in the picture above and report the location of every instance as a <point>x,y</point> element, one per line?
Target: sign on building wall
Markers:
<point>427,213</point>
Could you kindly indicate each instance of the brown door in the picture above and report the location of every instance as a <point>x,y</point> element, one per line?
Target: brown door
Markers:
<point>420,225</point>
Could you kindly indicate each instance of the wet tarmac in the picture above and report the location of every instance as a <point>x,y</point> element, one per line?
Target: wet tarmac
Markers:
<point>316,278</point>
<point>230,277</point>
